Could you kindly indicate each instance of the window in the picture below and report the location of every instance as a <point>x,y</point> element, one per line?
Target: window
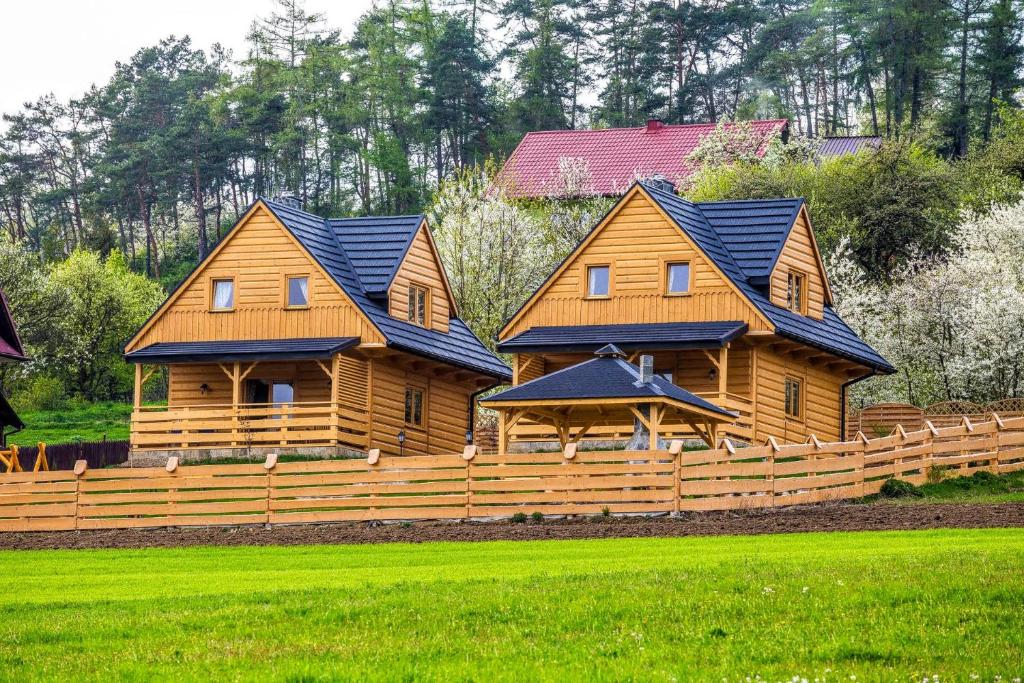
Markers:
<point>298,292</point>
<point>678,278</point>
<point>795,295</point>
<point>223,295</point>
<point>414,406</point>
<point>418,304</point>
<point>598,281</point>
<point>794,391</point>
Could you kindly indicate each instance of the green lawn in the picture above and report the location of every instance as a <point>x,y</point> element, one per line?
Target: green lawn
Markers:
<point>879,606</point>
<point>981,487</point>
<point>89,422</point>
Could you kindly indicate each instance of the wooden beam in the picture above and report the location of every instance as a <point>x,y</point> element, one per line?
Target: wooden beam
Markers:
<point>723,370</point>
<point>137,401</point>
<point>640,416</point>
<point>655,423</point>
<point>327,371</point>
<point>248,370</point>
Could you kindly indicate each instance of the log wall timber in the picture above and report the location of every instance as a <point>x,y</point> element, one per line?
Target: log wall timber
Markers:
<point>820,402</point>
<point>258,255</point>
<point>800,255</point>
<point>473,485</point>
<point>421,267</point>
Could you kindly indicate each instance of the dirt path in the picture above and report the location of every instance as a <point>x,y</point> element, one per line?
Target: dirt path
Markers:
<point>833,517</point>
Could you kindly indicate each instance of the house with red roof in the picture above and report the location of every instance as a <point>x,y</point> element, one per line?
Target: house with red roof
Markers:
<point>613,158</point>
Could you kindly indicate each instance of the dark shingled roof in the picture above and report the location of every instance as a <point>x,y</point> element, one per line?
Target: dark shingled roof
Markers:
<point>830,334</point>
<point>247,350</point>
<point>601,377</point>
<point>10,342</point>
<point>8,418</point>
<point>376,246</point>
<point>754,231</point>
<point>332,242</point>
<point>851,144</point>
<point>635,336</point>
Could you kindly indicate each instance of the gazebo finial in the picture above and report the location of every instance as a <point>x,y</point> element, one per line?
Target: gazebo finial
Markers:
<point>610,351</point>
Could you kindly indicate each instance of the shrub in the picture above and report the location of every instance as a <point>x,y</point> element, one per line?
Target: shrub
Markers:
<point>606,511</point>
<point>538,516</point>
<point>519,518</point>
<point>42,393</point>
<point>897,488</point>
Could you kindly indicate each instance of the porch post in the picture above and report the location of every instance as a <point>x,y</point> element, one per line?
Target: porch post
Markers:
<point>236,393</point>
<point>335,380</point>
<point>654,423</point>
<point>502,431</point>
<point>723,371</point>
<point>138,387</point>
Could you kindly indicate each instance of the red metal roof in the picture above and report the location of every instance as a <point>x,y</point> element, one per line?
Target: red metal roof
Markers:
<point>615,157</point>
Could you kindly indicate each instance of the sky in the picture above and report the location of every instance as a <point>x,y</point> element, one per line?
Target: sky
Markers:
<point>64,46</point>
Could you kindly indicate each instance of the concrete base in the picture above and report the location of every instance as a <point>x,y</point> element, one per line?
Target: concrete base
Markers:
<point>211,455</point>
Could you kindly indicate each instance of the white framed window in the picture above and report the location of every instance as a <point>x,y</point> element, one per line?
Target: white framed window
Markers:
<point>677,277</point>
<point>223,297</point>
<point>298,291</point>
<point>598,281</point>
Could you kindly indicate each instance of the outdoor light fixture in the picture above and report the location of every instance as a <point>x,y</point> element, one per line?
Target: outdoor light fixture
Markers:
<point>204,388</point>
<point>469,437</point>
<point>712,374</point>
<point>401,442</point>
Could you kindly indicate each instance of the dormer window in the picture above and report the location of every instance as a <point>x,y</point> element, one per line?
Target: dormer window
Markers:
<point>796,293</point>
<point>418,302</point>
<point>677,278</point>
<point>223,295</point>
<point>297,292</point>
<point>598,281</point>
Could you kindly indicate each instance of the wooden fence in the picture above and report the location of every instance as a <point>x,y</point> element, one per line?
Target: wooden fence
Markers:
<point>881,418</point>
<point>475,485</point>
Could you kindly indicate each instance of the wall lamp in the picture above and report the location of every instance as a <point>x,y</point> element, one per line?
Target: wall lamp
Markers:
<point>204,389</point>
<point>401,442</point>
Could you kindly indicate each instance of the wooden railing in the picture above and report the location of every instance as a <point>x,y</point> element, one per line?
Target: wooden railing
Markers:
<point>740,430</point>
<point>247,426</point>
<point>475,486</point>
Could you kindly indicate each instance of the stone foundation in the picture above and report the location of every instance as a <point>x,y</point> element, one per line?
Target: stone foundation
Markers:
<point>255,454</point>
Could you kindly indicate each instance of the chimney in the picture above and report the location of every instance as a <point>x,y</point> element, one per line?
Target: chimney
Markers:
<point>646,369</point>
<point>654,125</point>
<point>289,199</point>
<point>660,182</point>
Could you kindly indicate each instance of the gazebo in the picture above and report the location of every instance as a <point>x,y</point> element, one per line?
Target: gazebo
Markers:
<point>606,389</point>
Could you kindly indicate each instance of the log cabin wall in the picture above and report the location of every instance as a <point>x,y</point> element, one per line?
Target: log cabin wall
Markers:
<point>421,267</point>
<point>311,384</point>
<point>446,413</point>
<point>799,254</point>
<point>258,255</point>
<point>637,242</point>
<point>821,399</point>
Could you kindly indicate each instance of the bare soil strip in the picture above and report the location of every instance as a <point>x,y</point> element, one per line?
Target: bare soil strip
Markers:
<point>829,517</point>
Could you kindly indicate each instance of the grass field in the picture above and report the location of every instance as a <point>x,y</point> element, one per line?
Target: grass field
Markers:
<point>878,606</point>
<point>88,422</point>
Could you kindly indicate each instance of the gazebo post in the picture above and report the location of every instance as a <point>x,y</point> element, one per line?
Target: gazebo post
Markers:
<point>654,423</point>
<point>502,431</point>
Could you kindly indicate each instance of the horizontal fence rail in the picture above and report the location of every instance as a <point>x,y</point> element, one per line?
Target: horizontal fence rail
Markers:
<point>472,485</point>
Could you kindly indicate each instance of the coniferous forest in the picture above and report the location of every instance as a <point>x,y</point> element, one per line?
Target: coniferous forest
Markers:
<point>130,184</point>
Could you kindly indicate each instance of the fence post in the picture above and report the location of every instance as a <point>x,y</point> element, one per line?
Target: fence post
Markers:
<point>675,449</point>
<point>994,460</point>
<point>468,453</point>
<point>80,467</point>
<point>269,464</point>
<point>771,467</point>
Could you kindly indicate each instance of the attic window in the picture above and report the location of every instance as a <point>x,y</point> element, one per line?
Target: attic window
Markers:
<point>677,277</point>
<point>298,292</point>
<point>598,281</point>
<point>223,295</point>
<point>796,295</point>
<point>418,304</point>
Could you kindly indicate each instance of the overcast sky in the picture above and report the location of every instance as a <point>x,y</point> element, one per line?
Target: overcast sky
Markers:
<point>64,46</point>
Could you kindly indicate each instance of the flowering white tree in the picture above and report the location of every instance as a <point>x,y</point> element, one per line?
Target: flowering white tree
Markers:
<point>570,212</point>
<point>493,250</point>
<point>954,327</point>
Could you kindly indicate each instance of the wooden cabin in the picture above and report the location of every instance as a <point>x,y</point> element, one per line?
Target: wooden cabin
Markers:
<point>304,334</point>
<point>730,298</point>
<point>11,351</point>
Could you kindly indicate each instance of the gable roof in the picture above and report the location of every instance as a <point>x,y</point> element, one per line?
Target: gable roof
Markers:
<point>458,347</point>
<point>603,377</point>
<point>754,231</point>
<point>10,342</point>
<point>376,246</point>
<point>615,157</point>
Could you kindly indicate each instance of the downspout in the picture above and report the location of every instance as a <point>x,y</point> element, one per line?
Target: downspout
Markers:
<point>842,401</point>
<point>471,424</point>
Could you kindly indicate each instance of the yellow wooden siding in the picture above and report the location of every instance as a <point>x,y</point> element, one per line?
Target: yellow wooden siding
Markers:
<point>259,256</point>
<point>821,409</point>
<point>798,255</point>
<point>421,267</point>
<point>445,418</point>
<point>524,369</point>
<point>638,242</point>
<point>353,383</point>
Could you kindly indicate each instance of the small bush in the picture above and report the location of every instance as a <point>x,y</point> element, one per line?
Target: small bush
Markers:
<point>897,488</point>
<point>606,511</point>
<point>937,473</point>
<point>538,516</point>
<point>519,518</point>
